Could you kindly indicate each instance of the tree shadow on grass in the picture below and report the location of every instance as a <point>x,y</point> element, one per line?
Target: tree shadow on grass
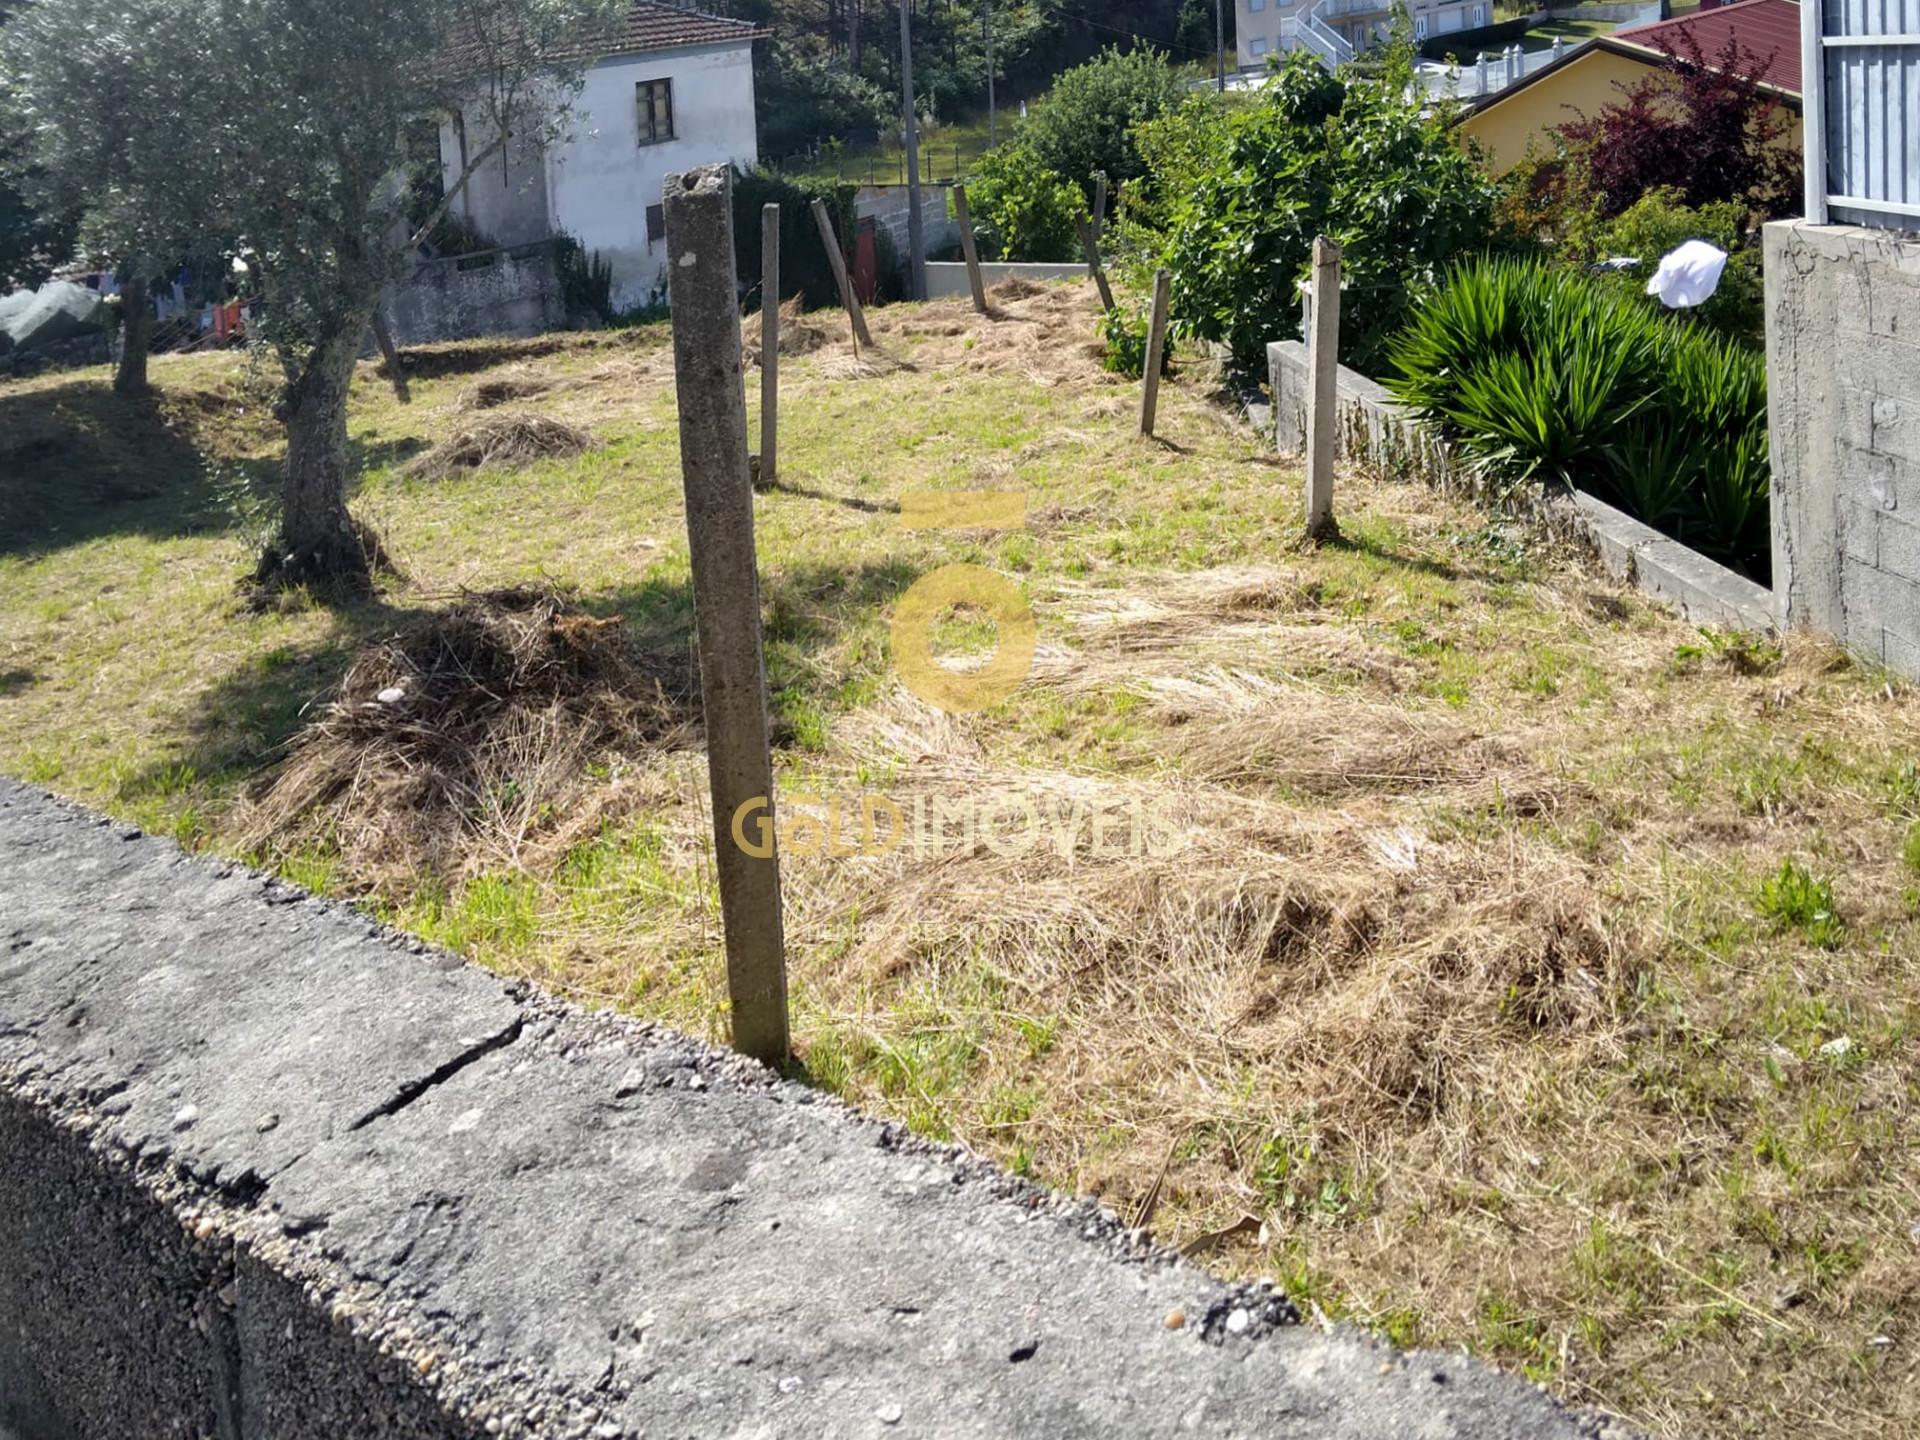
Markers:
<point>79,462</point>
<point>238,729</point>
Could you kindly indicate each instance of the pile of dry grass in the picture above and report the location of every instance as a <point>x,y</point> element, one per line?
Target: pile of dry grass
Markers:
<point>510,439</point>
<point>497,390</point>
<point>457,743</point>
<point>799,335</point>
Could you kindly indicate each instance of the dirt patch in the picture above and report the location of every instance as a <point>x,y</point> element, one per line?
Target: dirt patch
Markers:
<point>511,439</point>
<point>468,738</point>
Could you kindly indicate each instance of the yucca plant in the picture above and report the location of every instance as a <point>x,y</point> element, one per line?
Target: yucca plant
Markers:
<point>1541,376</point>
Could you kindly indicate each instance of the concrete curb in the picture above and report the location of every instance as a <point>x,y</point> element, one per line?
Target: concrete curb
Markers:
<point>1702,590</point>
<point>275,1171</point>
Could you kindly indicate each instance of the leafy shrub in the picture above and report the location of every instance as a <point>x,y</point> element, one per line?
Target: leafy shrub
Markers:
<point>1658,222</point>
<point>1022,209</point>
<point>1705,127</point>
<point>1124,329</point>
<point>1543,374</point>
<point>1235,194</point>
<point>1086,121</point>
<point>804,267</point>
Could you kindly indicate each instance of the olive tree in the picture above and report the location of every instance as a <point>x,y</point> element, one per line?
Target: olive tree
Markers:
<point>308,123</point>
<point>292,120</point>
<point>84,93</point>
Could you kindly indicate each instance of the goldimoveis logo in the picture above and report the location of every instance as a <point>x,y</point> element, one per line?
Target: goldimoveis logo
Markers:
<point>1008,822</point>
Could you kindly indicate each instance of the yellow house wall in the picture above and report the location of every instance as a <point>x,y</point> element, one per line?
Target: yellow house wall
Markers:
<point>1580,87</point>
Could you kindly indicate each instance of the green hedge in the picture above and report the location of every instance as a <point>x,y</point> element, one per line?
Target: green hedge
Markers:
<point>804,267</point>
<point>1541,375</point>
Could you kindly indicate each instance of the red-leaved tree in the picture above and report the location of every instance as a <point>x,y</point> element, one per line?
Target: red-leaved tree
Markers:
<point>1709,128</point>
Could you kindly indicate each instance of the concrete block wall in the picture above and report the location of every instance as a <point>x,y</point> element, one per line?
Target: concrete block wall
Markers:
<point>273,1172</point>
<point>498,292</point>
<point>887,207</point>
<point>1375,430</point>
<point>1843,376</point>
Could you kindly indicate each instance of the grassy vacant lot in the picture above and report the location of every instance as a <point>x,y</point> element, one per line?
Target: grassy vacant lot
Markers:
<point>1529,970</point>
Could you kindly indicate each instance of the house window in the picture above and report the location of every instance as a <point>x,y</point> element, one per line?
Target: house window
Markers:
<point>654,101</point>
<point>1420,27</point>
<point>1479,15</point>
<point>1256,5</point>
<point>656,224</point>
<point>1257,46</point>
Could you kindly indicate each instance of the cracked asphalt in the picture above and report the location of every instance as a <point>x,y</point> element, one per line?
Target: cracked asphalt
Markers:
<point>276,1171</point>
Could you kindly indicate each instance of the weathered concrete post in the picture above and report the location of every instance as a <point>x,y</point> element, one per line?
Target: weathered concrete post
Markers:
<point>968,248</point>
<point>769,342</point>
<point>1156,353</point>
<point>849,301</point>
<point>726,596</point>
<point>1099,206</point>
<point>1091,249</point>
<point>1323,365</point>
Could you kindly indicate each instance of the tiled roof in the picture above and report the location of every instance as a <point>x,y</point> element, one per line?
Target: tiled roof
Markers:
<point>1770,29</point>
<point>651,26</point>
<point>647,25</point>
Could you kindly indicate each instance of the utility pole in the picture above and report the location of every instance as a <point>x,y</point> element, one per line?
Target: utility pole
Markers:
<point>916,242</point>
<point>986,19</point>
<point>1219,46</point>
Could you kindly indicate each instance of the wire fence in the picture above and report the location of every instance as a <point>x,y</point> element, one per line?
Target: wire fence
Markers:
<point>940,162</point>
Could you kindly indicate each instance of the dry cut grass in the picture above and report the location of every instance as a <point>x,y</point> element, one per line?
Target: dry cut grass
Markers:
<point>1502,963</point>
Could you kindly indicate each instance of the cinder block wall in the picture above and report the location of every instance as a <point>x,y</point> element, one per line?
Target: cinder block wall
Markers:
<point>1843,377</point>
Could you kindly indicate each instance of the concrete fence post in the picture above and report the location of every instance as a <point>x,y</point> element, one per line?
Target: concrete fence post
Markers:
<point>1156,353</point>
<point>849,301</point>
<point>1480,74</point>
<point>969,248</point>
<point>726,596</point>
<point>769,342</point>
<point>1091,249</point>
<point>1323,365</point>
<point>1099,205</point>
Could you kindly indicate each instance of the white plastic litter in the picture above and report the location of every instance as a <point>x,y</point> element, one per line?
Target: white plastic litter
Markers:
<point>392,695</point>
<point>1688,275</point>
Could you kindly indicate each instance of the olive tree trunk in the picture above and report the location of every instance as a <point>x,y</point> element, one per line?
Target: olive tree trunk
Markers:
<point>318,540</point>
<point>136,336</point>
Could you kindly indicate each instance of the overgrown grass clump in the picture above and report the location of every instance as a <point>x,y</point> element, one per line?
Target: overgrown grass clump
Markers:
<point>1542,376</point>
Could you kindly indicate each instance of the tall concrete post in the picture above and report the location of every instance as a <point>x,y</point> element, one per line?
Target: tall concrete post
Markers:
<point>1219,46</point>
<point>769,343</point>
<point>916,240</point>
<point>1323,366</point>
<point>726,597</point>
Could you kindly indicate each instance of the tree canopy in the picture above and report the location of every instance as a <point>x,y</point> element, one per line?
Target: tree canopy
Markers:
<point>294,119</point>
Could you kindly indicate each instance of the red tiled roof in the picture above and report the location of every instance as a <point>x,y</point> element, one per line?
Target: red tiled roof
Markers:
<point>1770,29</point>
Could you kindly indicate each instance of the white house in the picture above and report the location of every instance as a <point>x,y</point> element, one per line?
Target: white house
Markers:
<point>1334,29</point>
<point>666,89</point>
